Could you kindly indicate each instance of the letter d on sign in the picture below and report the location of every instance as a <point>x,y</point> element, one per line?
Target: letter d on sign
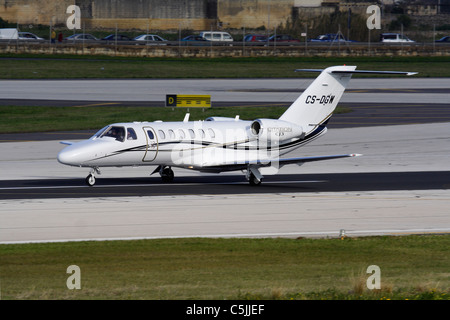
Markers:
<point>74,281</point>
<point>74,21</point>
<point>374,281</point>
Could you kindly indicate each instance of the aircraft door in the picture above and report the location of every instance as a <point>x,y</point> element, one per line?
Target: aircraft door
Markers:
<point>152,144</point>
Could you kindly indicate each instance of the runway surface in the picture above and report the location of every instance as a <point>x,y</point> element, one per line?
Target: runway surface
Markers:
<point>226,184</point>
<point>399,186</point>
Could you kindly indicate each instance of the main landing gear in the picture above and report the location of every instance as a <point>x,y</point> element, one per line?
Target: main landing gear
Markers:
<point>253,180</point>
<point>90,179</point>
<point>253,176</point>
<point>165,172</point>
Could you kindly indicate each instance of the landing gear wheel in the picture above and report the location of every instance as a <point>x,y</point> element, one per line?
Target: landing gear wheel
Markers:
<point>90,180</point>
<point>167,175</point>
<point>253,181</point>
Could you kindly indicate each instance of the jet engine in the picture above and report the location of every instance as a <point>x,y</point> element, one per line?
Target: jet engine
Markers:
<point>273,132</point>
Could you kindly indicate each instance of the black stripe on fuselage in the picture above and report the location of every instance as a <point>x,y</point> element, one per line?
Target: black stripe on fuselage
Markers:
<point>231,145</point>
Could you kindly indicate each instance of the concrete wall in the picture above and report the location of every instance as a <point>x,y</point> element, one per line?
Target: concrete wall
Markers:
<point>254,13</point>
<point>152,14</point>
<point>125,14</point>
<point>184,14</point>
<point>157,14</point>
<point>34,12</point>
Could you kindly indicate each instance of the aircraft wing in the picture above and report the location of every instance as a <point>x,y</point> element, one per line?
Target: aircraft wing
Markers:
<point>299,161</point>
<point>272,162</point>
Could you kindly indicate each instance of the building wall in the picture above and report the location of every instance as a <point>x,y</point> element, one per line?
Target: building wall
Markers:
<point>254,13</point>
<point>184,14</point>
<point>34,11</point>
<point>153,14</point>
<point>125,14</point>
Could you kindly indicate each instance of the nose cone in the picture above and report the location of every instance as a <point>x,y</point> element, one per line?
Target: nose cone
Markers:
<point>69,156</point>
<point>76,154</point>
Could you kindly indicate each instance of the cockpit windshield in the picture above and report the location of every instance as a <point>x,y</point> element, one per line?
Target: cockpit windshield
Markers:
<point>99,132</point>
<point>115,132</point>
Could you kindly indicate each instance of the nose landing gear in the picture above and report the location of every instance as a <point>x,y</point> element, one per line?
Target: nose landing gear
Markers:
<point>90,179</point>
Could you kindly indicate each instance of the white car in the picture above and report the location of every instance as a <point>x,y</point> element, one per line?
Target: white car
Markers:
<point>29,36</point>
<point>216,36</point>
<point>151,38</point>
<point>394,38</point>
<point>81,37</point>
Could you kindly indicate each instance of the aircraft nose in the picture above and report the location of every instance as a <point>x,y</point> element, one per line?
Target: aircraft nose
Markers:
<point>74,155</point>
<point>80,153</point>
<point>67,156</point>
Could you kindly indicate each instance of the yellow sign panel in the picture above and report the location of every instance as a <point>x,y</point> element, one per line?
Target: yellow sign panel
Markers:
<point>188,100</point>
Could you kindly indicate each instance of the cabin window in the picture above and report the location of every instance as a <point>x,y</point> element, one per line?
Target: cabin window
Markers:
<point>131,134</point>
<point>117,133</point>
<point>161,134</point>
<point>202,133</point>
<point>150,134</point>
<point>171,134</point>
<point>182,134</point>
<point>211,133</point>
<point>192,133</point>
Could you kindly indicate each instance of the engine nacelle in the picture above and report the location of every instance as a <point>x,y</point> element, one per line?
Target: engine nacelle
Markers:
<point>273,132</point>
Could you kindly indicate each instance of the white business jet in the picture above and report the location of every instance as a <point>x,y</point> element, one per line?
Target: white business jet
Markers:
<point>219,144</point>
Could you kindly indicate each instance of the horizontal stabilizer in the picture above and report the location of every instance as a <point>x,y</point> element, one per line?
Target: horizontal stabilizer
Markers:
<point>359,71</point>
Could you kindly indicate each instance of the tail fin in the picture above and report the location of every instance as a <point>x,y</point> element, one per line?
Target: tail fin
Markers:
<point>316,104</point>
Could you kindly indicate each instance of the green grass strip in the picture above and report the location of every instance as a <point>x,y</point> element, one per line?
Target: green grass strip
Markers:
<point>88,67</point>
<point>15,119</point>
<point>412,267</point>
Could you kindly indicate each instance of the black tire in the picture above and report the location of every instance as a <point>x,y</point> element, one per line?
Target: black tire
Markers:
<point>90,180</point>
<point>253,181</point>
<point>167,175</point>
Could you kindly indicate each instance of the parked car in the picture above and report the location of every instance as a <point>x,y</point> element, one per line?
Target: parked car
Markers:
<point>193,37</point>
<point>444,39</point>
<point>29,36</point>
<point>216,36</point>
<point>120,37</point>
<point>255,38</point>
<point>194,40</point>
<point>81,37</point>
<point>283,38</point>
<point>394,38</point>
<point>330,37</point>
<point>150,37</point>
